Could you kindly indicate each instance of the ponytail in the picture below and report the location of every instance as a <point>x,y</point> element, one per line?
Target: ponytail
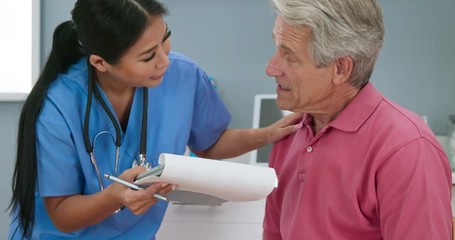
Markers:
<point>65,52</point>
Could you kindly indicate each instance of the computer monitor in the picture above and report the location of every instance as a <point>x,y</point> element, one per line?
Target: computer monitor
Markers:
<point>265,112</point>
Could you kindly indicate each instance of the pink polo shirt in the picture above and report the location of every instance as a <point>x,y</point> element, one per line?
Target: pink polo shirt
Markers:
<point>375,172</point>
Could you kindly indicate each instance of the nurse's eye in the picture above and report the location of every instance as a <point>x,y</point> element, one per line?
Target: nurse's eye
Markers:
<point>150,58</point>
<point>168,34</point>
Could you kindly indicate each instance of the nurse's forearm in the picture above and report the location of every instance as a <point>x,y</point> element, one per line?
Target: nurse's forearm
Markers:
<point>234,142</point>
<point>71,213</point>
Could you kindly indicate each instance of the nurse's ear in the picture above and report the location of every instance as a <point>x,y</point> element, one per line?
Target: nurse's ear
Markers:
<point>98,62</point>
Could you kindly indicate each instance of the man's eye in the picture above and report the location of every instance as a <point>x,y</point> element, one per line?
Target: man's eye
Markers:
<point>290,57</point>
<point>150,58</point>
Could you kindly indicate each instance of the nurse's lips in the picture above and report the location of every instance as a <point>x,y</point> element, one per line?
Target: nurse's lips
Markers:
<point>157,77</point>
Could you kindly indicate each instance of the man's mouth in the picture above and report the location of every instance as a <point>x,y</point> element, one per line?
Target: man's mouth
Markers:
<point>284,87</point>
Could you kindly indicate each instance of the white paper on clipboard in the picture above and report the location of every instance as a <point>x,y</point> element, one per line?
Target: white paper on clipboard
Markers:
<point>221,180</point>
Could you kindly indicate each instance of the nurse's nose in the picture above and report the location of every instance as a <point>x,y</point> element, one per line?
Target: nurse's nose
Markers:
<point>273,68</point>
<point>163,59</point>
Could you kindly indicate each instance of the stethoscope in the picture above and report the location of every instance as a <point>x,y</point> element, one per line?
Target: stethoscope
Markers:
<point>90,147</point>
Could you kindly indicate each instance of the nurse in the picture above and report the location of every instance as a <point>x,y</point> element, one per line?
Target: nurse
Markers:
<point>112,96</point>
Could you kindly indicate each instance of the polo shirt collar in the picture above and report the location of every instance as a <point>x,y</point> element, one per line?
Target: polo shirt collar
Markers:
<point>359,109</point>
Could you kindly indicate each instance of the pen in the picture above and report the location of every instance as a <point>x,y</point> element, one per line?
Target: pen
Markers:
<point>133,186</point>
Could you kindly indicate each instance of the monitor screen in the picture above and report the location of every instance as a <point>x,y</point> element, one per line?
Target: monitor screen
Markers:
<point>265,112</point>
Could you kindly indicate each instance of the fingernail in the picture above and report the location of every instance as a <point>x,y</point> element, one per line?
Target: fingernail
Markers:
<point>164,185</point>
<point>175,187</point>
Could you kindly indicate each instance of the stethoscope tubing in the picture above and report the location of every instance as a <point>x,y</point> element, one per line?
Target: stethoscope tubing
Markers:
<point>90,147</point>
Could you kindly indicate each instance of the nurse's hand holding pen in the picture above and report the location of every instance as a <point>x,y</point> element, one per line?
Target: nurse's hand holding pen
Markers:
<point>138,201</point>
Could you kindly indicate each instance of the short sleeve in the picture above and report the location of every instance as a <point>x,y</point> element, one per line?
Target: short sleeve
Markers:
<point>59,170</point>
<point>210,116</point>
<point>413,197</point>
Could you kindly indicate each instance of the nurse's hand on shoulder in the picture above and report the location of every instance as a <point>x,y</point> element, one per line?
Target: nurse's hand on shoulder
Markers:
<point>288,124</point>
<point>139,201</point>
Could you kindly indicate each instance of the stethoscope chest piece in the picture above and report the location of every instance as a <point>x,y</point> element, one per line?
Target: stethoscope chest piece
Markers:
<point>141,162</point>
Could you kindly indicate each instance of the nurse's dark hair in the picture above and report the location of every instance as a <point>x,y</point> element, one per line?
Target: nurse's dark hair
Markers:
<point>103,27</point>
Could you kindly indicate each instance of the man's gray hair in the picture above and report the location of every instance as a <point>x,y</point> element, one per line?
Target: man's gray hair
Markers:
<point>352,28</point>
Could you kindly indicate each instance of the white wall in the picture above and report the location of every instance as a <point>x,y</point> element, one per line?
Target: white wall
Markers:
<point>417,67</point>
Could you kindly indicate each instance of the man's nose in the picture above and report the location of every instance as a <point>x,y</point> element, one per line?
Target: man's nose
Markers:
<point>273,68</point>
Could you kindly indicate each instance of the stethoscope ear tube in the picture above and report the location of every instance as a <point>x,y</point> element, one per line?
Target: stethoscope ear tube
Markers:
<point>88,147</point>
<point>98,174</point>
<point>118,140</point>
<point>143,147</point>
<point>92,89</point>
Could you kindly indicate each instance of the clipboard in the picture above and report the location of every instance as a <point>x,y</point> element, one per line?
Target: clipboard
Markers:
<point>210,182</point>
<point>155,171</point>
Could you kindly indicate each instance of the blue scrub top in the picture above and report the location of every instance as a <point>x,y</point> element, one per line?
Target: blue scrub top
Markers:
<point>183,110</point>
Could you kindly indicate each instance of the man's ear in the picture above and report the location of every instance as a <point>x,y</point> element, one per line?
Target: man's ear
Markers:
<point>98,62</point>
<point>343,69</point>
